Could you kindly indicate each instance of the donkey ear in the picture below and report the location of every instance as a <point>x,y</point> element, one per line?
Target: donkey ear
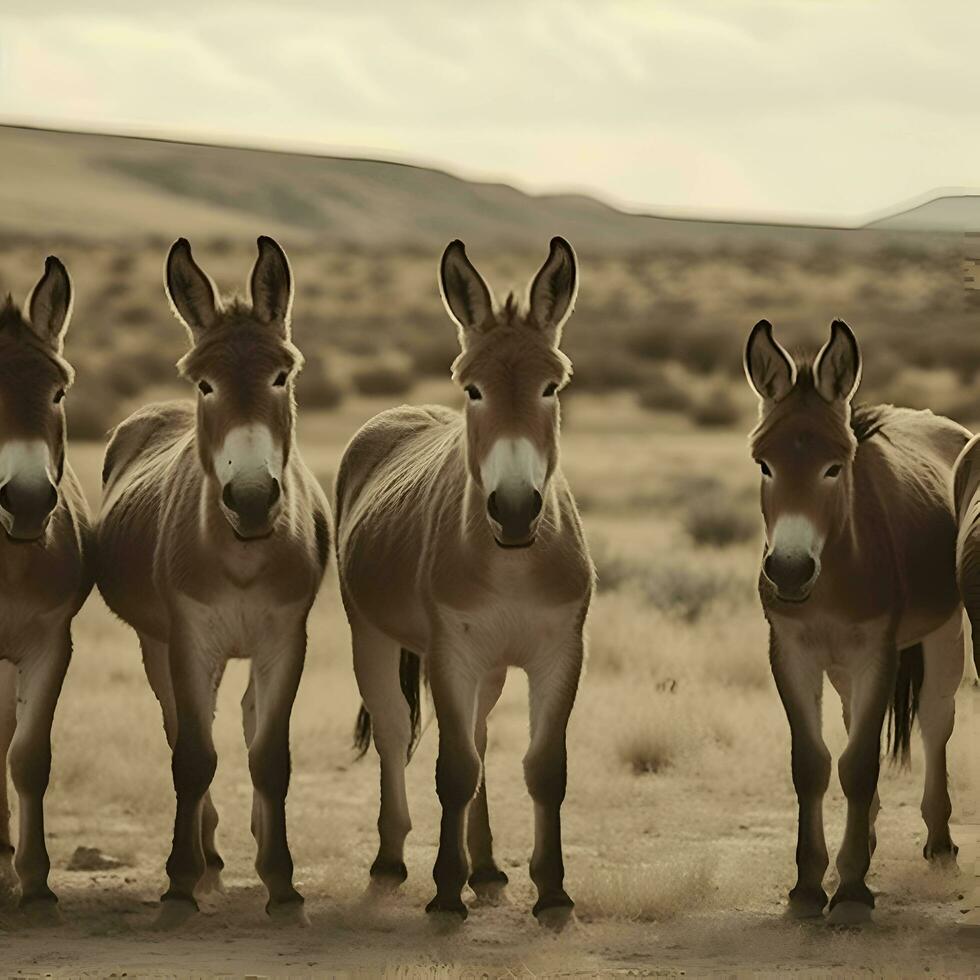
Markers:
<point>770,370</point>
<point>190,290</point>
<point>271,285</point>
<point>837,366</point>
<point>466,296</point>
<point>49,306</point>
<point>552,294</point>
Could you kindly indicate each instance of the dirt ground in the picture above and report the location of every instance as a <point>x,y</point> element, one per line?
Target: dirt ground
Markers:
<point>680,817</point>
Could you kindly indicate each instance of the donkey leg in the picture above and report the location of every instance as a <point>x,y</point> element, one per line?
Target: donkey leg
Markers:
<point>799,681</point>
<point>276,673</point>
<point>8,721</point>
<point>194,674</point>
<point>376,665</point>
<point>156,665</point>
<point>40,674</point>
<point>841,680</point>
<point>552,683</point>
<point>454,692</point>
<point>943,655</point>
<point>486,878</point>
<point>872,684</point>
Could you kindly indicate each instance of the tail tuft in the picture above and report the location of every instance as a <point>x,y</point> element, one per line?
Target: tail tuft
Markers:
<point>905,704</point>
<point>362,732</point>
<point>410,680</point>
<point>410,676</point>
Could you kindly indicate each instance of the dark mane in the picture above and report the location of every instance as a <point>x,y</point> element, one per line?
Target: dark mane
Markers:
<point>510,311</point>
<point>868,420</point>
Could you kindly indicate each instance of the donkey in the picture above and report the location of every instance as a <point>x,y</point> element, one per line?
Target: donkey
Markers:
<point>213,540</point>
<point>858,579</point>
<point>966,481</point>
<point>45,565</point>
<point>459,544</point>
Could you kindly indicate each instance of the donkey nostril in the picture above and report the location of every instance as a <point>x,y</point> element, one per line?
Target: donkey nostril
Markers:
<point>275,492</point>
<point>4,498</point>
<point>228,497</point>
<point>809,567</point>
<point>536,505</point>
<point>491,506</point>
<point>52,497</point>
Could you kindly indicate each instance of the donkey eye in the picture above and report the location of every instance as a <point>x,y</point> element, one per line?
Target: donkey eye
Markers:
<point>280,379</point>
<point>764,466</point>
<point>550,390</point>
<point>473,392</point>
<point>205,388</point>
<point>59,395</point>
<point>833,471</point>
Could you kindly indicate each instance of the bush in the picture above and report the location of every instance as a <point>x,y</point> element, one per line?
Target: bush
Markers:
<point>664,392</point>
<point>382,379</point>
<point>688,588</point>
<point>718,520</point>
<point>717,408</point>
<point>315,388</point>
<point>90,417</point>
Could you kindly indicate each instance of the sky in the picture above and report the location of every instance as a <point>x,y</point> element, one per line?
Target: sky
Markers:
<point>813,109</point>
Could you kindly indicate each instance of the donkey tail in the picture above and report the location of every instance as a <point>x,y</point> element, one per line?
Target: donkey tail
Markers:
<point>905,703</point>
<point>410,680</point>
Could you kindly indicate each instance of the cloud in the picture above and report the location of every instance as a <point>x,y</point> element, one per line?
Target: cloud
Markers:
<point>829,108</point>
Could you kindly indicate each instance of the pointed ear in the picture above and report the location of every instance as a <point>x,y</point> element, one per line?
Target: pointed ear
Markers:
<point>49,306</point>
<point>551,297</point>
<point>190,290</point>
<point>837,366</point>
<point>466,296</point>
<point>271,285</point>
<point>770,370</point>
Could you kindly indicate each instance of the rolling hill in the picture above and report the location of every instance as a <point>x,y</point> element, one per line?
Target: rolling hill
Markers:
<point>89,187</point>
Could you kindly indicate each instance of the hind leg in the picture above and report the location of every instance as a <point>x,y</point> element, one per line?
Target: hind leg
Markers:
<point>943,655</point>
<point>486,878</point>
<point>841,681</point>
<point>156,664</point>
<point>8,722</point>
<point>376,665</point>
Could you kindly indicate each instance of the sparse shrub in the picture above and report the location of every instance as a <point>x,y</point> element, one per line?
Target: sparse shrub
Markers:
<point>315,387</point>
<point>717,408</point>
<point>686,587</point>
<point>664,392</point>
<point>652,745</point>
<point>382,379</point>
<point>91,416</point>
<point>718,520</point>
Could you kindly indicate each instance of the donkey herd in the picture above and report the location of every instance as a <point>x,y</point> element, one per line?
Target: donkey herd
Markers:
<point>460,553</point>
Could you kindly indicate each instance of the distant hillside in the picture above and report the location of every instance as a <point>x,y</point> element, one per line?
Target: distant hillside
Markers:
<point>91,187</point>
<point>948,212</point>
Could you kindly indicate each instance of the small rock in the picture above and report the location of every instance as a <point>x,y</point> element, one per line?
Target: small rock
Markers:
<point>92,859</point>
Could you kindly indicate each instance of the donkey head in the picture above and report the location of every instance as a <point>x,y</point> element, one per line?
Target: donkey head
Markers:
<point>33,380</point>
<point>243,364</point>
<point>511,371</point>
<point>805,447</point>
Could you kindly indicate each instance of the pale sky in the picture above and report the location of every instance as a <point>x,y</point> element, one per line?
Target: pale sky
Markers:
<point>823,109</point>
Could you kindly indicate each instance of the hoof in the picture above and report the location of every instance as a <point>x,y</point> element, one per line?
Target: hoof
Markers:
<point>446,914</point>
<point>174,913</point>
<point>806,904</point>
<point>41,910</point>
<point>387,876</point>
<point>490,886</point>
<point>850,914</point>
<point>943,858</point>
<point>290,913</point>
<point>210,883</point>
<point>554,911</point>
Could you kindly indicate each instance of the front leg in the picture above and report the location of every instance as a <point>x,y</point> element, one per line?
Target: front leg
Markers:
<point>553,682</point>
<point>40,674</point>
<point>799,680</point>
<point>195,670</point>
<point>454,683</point>
<point>872,686</point>
<point>276,673</point>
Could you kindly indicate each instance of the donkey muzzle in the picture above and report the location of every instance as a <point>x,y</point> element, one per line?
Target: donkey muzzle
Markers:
<point>514,515</point>
<point>252,505</point>
<point>26,506</point>
<point>792,575</point>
